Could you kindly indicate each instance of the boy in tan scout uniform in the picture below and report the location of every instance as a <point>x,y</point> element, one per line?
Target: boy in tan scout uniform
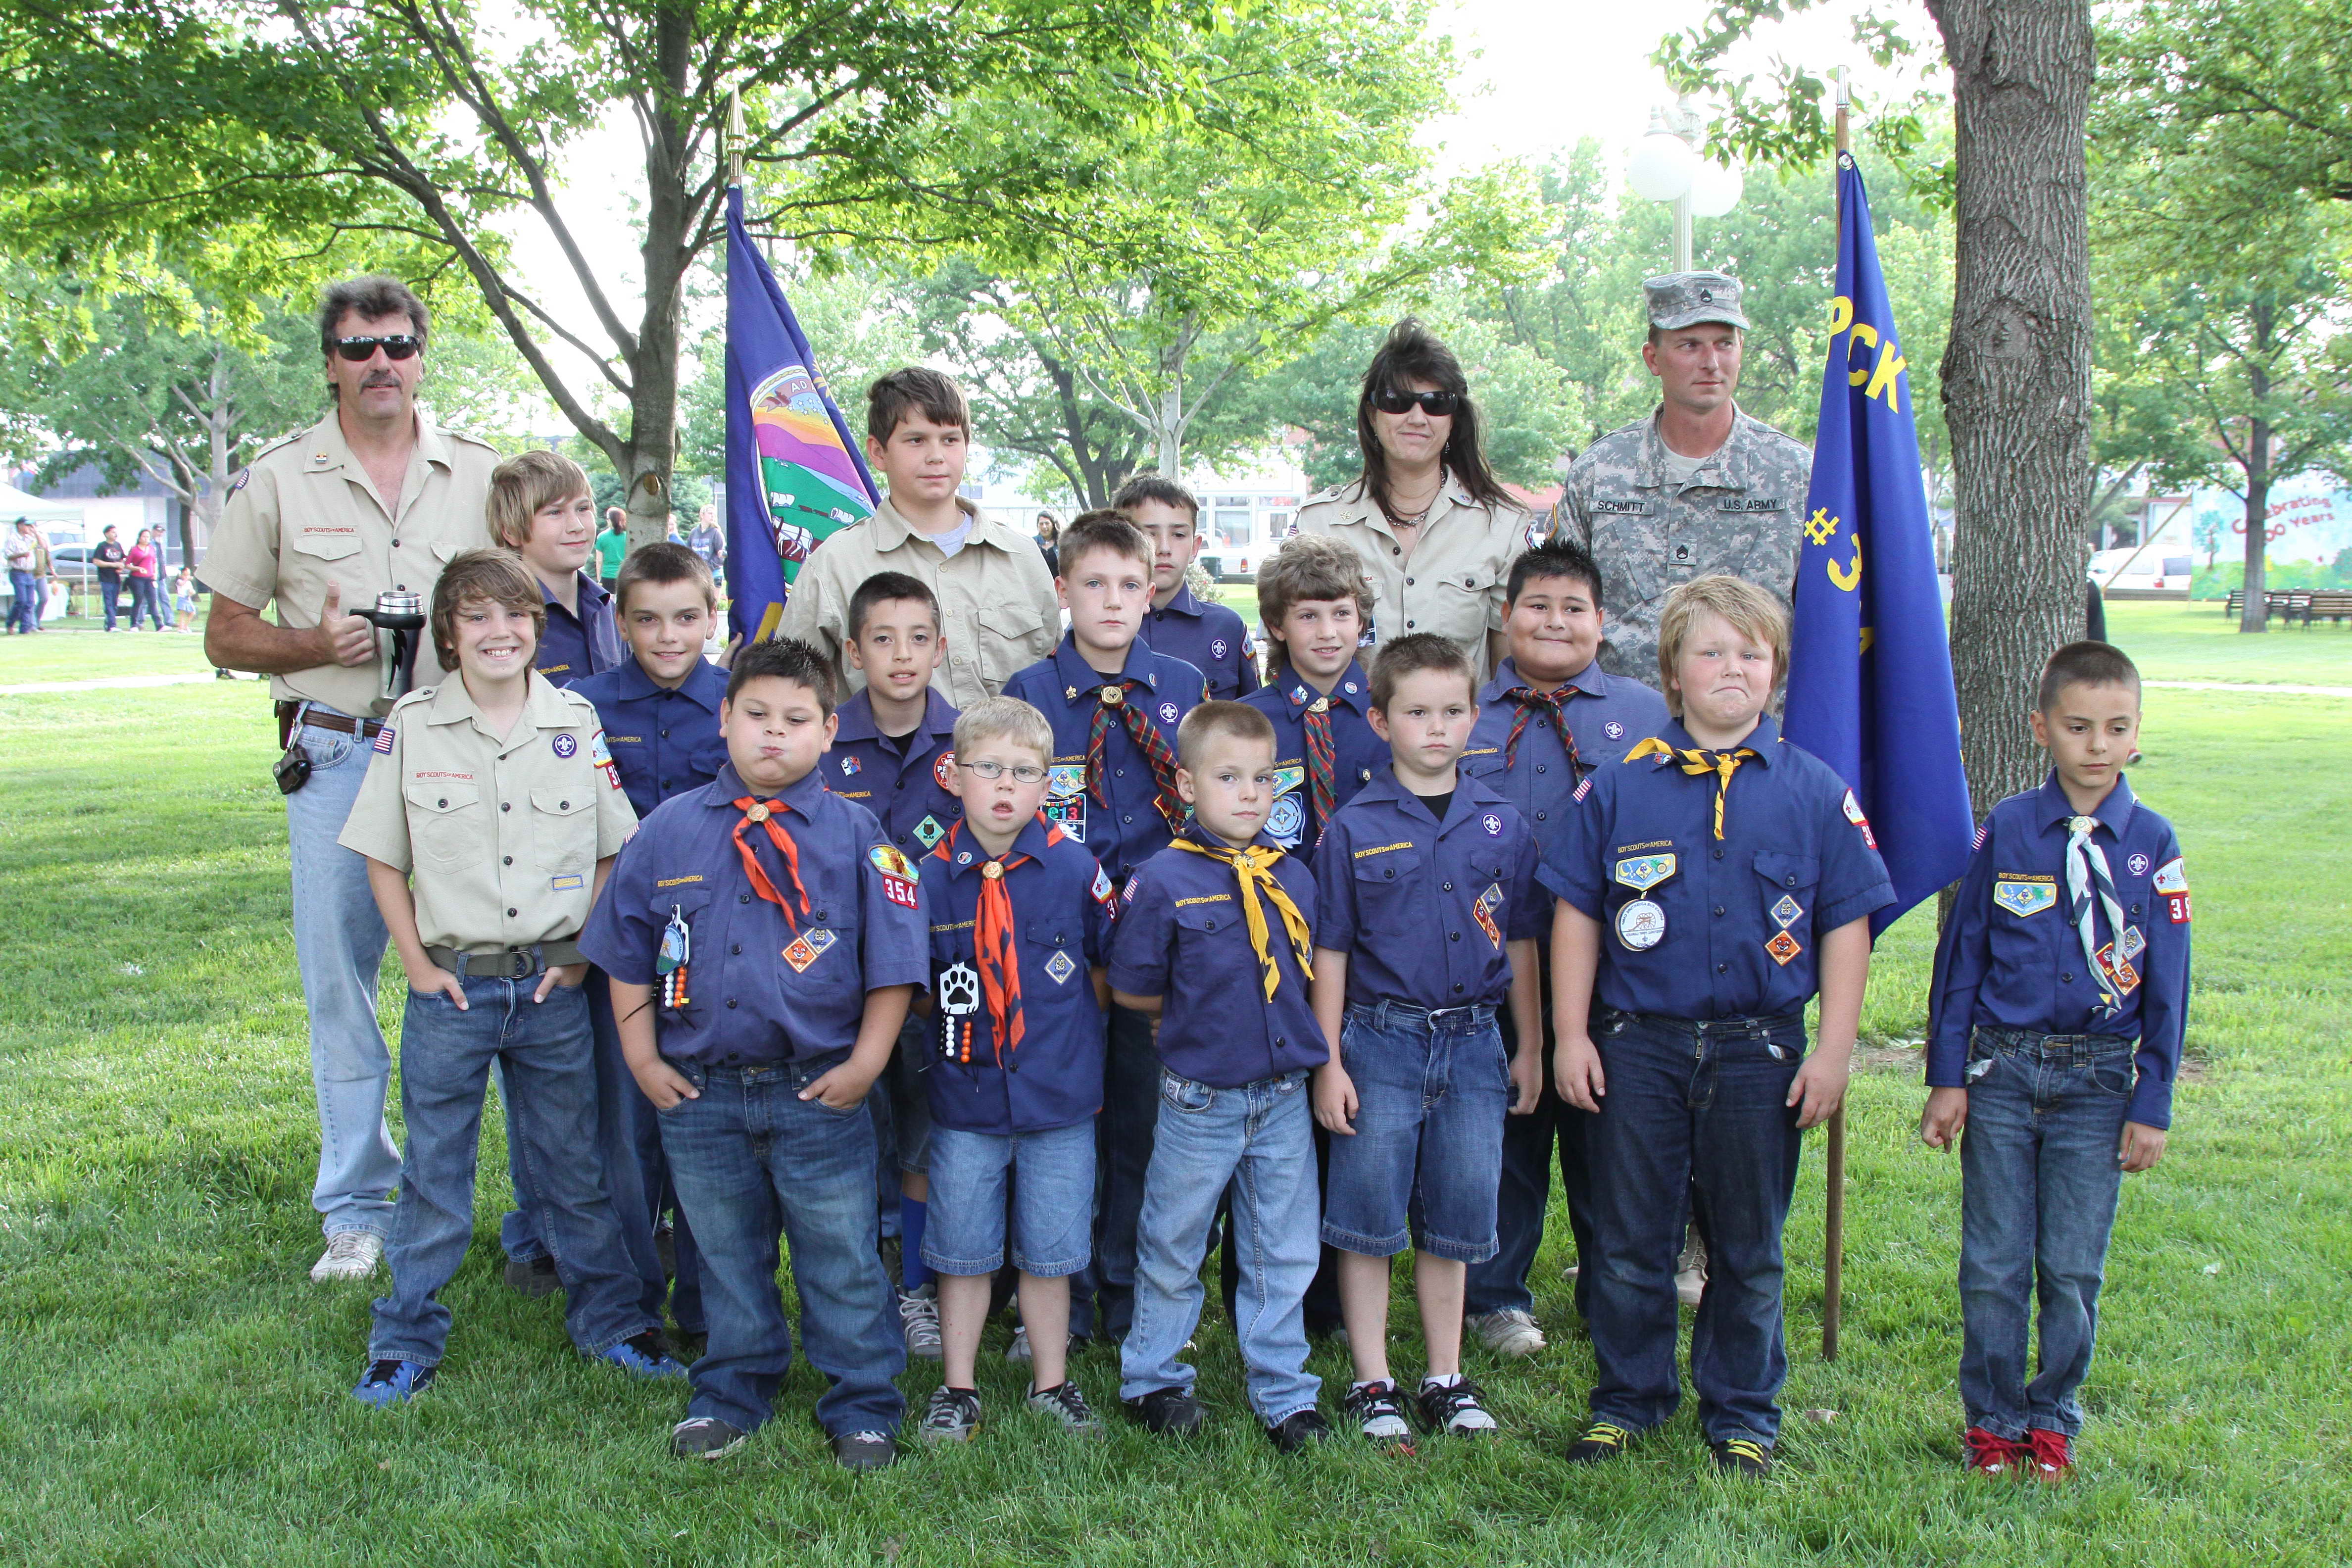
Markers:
<point>489,817</point>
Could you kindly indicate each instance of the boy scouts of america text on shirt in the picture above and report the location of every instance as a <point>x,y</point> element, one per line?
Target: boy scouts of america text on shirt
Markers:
<point>765,981</point>
<point>2013,952</point>
<point>1713,893</point>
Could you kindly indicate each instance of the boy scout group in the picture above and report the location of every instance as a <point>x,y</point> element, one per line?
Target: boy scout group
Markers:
<point>937,940</point>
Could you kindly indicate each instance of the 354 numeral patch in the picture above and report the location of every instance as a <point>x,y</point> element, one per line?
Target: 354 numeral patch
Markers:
<point>2176,905</point>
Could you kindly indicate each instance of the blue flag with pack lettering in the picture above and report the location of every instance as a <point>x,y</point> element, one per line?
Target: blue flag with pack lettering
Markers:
<point>794,474</point>
<point>1870,666</point>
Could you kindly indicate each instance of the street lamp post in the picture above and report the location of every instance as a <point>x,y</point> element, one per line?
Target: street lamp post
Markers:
<point>1665,166</point>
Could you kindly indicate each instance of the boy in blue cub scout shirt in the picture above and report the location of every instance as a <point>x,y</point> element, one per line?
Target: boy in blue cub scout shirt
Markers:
<point>2059,999</point>
<point>1021,921</point>
<point>1714,879</point>
<point>1114,705</point>
<point>1317,605</point>
<point>494,759</point>
<point>540,506</point>
<point>1205,635</point>
<point>764,939</point>
<point>1215,940</point>
<point>1429,919</point>
<point>895,756</point>
<point>1548,717</point>
<point>660,712</point>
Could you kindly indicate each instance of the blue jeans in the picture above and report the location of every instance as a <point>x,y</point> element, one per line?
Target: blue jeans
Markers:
<point>2039,1179</point>
<point>143,603</point>
<point>613,1153</point>
<point>445,1058</point>
<point>1431,1092</point>
<point>751,1159</point>
<point>1693,1110</point>
<point>1523,1203</point>
<point>109,595</point>
<point>339,939</point>
<point>1049,1179</point>
<point>25,607</point>
<point>1259,1138</point>
<point>1102,1298</point>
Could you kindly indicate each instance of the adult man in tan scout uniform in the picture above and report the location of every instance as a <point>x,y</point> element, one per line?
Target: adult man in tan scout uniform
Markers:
<point>374,498</point>
<point>1697,487</point>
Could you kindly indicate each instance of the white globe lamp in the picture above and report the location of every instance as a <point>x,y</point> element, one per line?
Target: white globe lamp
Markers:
<point>1662,167</point>
<point>1715,190</point>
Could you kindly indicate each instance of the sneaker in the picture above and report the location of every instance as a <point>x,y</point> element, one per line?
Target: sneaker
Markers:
<point>1742,1457</point>
<point>951,1417</point>
<point>1067,1405</point>
<point>1453,1408</point>
<point>1511,1332</point>
<point>1986,1454</point>
<point>1690,1270</point>
<point>2049,1455</point>
<point>864,1450</point>
<point>393,1381</point>
<point>1601,1440</point>
<point>705,1437</point>
<point>1378,1413</point>
<point>349,1255</point>
<point>919,1316</point>
<point>1298,1430</point>
<point>1170,1412</point>
<point>645,1355</point>
<point>533,1277</point>
<point>1019,1348</point>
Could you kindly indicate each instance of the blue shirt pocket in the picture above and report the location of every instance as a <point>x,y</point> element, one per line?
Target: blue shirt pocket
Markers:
<point>1387,891</point>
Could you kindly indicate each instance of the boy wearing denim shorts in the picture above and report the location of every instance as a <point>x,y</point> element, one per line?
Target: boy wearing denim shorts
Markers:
<point>488,819</point>
<point>764,939</point>
<point>1429,917</point>
<point>895,756</point>
<point>1215,938</point>
<point>1714,879</point>
<point>2059,999</point>
<point>1021,922</point>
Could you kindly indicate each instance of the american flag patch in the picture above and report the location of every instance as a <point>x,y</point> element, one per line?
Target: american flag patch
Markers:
<point>1585,788</point>
<point>384,740</point>
<point>1982,828</point>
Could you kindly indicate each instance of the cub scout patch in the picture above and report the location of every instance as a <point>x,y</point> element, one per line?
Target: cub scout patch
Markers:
<point>1060,967</point>
<point>807,948</point>
<point>1101,890</point>
<point>1643,872</point>
<point>1288,778</point>
<point>1854,815</point>
<point>566,884</point>
<point>928,832</point>
<point>1483,909</point>
<point>2137,864</point>
<point>2176,905</point>
<point>2022,898</point>
<point>1614,729</point>
<point>2134,944</point>
<point>1168,714</point>
<point>1783,947</point>
<point>943,770</point>
<point>1217,647</point>
<point>1068,813</point>
<point>2118,971</point>
<point>601,754</point>
<point>384,740</point>
<point>565,746</point>
<point>1492,824</point>
<point>1786,911</point>
<point>897,875</point>
<point>2170,877</point>
<point>849,766</point>
<point>1066,781</point>
<point>1287,820</point>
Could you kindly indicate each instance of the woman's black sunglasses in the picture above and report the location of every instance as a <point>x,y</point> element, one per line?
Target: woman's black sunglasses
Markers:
<point>360,349</point>
<point>1437,405</point>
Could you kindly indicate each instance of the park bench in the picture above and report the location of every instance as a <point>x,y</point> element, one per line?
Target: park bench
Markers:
<point>2334,606</point>
<point>2235,602</point>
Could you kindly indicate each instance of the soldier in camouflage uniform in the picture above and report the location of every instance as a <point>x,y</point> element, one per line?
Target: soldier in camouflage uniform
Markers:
<point>1654,514</point>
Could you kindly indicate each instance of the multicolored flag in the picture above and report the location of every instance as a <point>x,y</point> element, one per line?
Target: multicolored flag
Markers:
<point>794,474</point>
<point>1870,671</point>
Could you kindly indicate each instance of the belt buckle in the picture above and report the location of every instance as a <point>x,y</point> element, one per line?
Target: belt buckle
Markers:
<point>521,961</point>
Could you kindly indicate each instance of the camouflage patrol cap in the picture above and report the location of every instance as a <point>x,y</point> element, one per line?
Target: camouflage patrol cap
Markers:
<point>1684,299</point>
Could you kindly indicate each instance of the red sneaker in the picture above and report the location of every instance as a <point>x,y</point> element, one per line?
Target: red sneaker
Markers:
<point>2051,1453</point>
<point>1987,1455</point>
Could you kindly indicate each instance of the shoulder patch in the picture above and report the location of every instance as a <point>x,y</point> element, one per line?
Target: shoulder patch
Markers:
<point>2024,898</point>
<point>383,740</point>
<point>2171,877</point>
<point>1102,889</point>
<point>1133,882</point>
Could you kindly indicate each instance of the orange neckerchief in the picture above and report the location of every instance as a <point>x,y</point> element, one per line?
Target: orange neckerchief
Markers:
<point>769,815</point>
<point>996,946</point>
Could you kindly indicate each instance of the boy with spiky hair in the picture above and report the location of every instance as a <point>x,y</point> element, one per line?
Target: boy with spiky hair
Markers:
<point>1316,604</point>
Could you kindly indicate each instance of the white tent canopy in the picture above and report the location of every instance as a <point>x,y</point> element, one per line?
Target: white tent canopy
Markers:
<point>15,503</point>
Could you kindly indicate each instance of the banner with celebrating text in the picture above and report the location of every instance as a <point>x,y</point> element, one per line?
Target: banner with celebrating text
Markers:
<point>1869,670</point>
<point>794,474</point>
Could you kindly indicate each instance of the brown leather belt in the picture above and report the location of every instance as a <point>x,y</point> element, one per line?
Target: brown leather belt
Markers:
<point>514,963</point>
<point>314,717</point>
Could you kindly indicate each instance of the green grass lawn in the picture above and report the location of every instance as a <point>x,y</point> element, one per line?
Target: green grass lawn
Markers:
<point>174,1390</point>
<point>2174,641</point>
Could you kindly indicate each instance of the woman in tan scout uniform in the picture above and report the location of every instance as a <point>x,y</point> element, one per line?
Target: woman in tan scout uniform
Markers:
<point>1433,526</point>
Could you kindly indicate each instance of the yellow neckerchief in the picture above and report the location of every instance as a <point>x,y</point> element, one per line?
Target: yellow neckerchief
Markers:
<point>1254,868</point>
<point>1700,762</point>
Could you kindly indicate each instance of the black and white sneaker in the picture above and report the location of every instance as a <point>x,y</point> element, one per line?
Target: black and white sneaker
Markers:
<point>1065,1403</point>
<point>952,1416</point>
<point>1170,1412</point>
<point>705,1437</point>
<point>864,1450</point>
<point>1453,1408</point>
<point>1379,1414</point>
<point>1298,1430</point>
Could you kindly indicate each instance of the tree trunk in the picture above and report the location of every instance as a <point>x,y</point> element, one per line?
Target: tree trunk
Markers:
<point>2016,375</point>
<point>2255,616</point>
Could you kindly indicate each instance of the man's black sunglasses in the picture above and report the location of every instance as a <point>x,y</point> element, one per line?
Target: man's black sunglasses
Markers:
<point>360,350</point>
<point>1437,405</point>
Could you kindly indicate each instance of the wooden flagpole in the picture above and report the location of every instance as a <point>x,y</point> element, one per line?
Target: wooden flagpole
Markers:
<point>1833,1210</point>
